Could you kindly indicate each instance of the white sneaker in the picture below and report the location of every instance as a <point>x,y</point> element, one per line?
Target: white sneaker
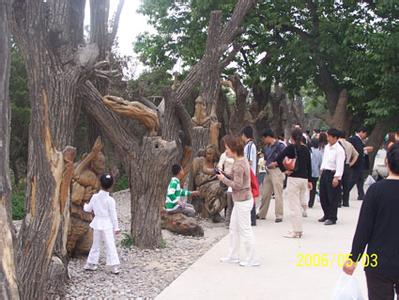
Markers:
<point>230,260</point>
<point>115,270</point>
<point>249,264</point>
<point>90,267</point>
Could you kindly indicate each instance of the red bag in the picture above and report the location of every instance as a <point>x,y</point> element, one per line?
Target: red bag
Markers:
<point>254,184</point>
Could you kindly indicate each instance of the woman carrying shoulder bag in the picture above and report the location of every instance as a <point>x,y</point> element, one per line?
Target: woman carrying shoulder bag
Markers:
<point>240,222</point>
<point>296,163</point>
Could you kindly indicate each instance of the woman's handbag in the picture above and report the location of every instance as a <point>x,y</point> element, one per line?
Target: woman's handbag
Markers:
<point>254,184</point>
<point>290,164</point>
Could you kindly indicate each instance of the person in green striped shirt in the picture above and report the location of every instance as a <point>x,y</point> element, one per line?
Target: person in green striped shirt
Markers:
<point>174,203</point>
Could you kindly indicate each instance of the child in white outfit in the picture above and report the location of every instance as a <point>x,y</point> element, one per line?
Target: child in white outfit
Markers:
<point>104,224</point>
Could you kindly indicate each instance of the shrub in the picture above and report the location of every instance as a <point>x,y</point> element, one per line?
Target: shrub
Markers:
<point>127,241</point>
<point>121,184</point>
<point>18,202</point>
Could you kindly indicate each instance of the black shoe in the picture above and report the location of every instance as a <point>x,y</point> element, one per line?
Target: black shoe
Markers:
<point>360,198</point>
<point>322,219</point>
<point>253,224</point>
<point>339,205</point>
<point>345,205</point>
<point>257,217</point>
<point>278,220</point>
<point>329,222</point>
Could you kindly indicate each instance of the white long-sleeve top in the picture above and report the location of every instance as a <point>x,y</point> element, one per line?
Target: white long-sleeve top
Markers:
<point>334,159</point>
<point>103,206</point>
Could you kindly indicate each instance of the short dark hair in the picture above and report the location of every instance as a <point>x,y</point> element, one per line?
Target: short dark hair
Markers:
<point>268,133</point>
<point>235,144</point>
<point>362,129</point>
<point>314,143</point>
<point>248,132</point>
<point>393,158</point>
<point>342,134</point>
<point>106,181</point>
<point>176,169</point>
<point>334,132</point>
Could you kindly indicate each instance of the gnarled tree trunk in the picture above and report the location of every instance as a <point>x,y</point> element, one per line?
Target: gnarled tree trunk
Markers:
<point>8,281</point>
<point>48,34</point>
<point>149,179</point>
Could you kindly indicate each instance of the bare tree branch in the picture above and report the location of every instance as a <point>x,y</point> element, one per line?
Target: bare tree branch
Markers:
<point>109,121</point>
<point>115,23</point>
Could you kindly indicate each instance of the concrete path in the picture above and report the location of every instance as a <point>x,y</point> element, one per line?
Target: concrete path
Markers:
<point>280,275</point>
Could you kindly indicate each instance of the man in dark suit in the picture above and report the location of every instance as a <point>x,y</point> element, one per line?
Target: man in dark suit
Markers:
<point>357,169</point>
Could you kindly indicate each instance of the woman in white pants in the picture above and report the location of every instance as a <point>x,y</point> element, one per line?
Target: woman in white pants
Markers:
<point>104,224</point>
<point>298,182</point>
<point>240,222</point>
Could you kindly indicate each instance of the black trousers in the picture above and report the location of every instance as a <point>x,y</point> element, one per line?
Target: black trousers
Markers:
<point>346,178</point>
<point>312,193</point>
<point>356,177</point>
<point>329,195</point>
<point>253,215</point>
<point>380,287</point>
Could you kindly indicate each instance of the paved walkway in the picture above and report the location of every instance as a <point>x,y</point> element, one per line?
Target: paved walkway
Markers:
<point>279,276</point>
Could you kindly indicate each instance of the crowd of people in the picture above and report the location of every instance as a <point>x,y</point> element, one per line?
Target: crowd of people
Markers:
<point>325,164</point>
<point>296,165</point>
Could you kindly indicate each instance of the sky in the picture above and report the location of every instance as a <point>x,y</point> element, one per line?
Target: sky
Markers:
<point>130,25</point>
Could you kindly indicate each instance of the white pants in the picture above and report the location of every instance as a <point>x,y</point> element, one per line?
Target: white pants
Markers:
<point>108,237</point>
<point>297,197</point>
<point>240,229</point>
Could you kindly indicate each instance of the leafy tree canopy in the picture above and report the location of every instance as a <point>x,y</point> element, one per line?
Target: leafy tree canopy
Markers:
<point>335,44</point>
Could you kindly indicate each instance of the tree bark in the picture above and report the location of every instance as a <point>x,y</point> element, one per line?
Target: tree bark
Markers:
<point>148,191</point>
<point>8,281</point>
<point>48,35</point>
<point>239,116</point>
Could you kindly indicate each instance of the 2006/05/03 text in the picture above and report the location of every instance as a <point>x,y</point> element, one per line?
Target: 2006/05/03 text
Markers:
<point>329,260</point>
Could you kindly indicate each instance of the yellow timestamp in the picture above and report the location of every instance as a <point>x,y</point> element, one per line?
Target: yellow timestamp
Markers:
<point>326,260</point>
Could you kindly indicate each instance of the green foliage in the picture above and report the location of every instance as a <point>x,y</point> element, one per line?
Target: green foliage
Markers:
<point>292,42</point>
<point>162,245</point>
<point>18,201</point>
<point>20,113</point>
<point>149,83</point>
<point>122,183</point>
<point>127,241</point>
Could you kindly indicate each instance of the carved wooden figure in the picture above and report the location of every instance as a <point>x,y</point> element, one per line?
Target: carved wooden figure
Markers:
<point>85,183</point>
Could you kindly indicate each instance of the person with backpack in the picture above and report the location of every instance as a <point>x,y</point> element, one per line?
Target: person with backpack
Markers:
<point>240,222</point>
<point>295,161</point>
<point>247,135</point>
<point>274,179</point>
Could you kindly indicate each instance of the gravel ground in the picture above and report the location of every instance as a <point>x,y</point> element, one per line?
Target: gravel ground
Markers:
<point>144,273</point>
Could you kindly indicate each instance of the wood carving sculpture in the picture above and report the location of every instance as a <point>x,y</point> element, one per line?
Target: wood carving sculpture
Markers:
<point>134,109</point>
<point>200,118</point>
<point>212,196</point>
<point>85,183</point>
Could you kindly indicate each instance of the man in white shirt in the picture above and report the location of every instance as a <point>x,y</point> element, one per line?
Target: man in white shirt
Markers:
<point>332,169</point>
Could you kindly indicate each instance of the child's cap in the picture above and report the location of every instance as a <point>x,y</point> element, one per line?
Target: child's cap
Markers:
<point>106,181</point>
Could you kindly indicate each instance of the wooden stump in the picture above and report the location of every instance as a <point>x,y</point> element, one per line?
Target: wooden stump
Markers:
<point>181,224</point>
